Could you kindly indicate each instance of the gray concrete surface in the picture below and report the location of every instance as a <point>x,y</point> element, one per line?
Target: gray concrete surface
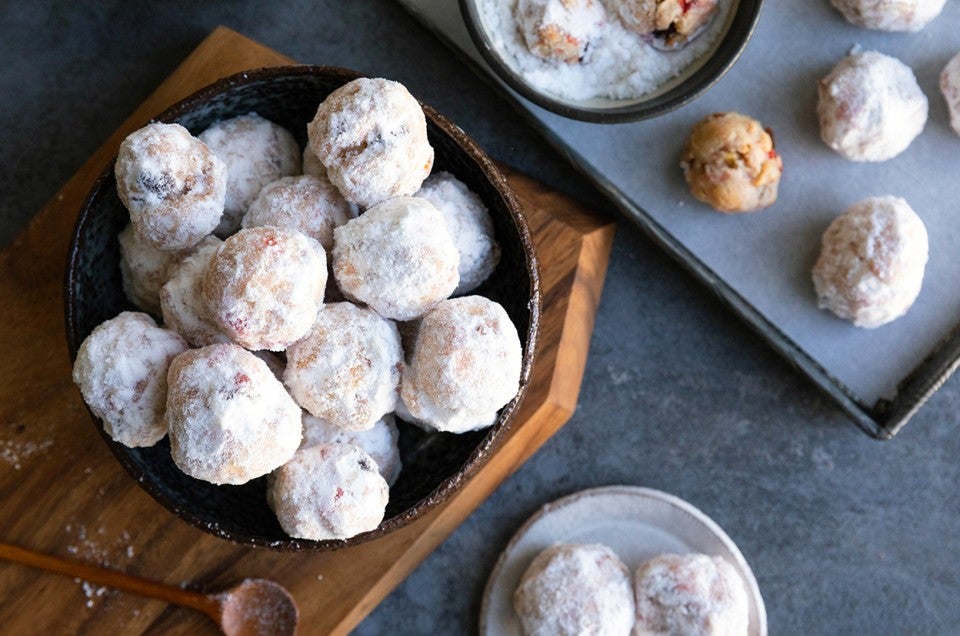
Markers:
<point>846,535</point>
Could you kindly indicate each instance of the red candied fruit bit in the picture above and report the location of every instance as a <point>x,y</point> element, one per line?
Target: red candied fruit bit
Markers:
<point>337,495</point>
<point>270,241</point>
<point>238,324</point>
<point>772,154</point>
<point>241,378</point>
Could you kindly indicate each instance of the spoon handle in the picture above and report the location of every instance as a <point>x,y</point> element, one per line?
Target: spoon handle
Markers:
<point>111,578</point>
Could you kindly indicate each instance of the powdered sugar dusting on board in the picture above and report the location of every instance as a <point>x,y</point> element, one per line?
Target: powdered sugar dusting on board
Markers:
<point>618,65</point>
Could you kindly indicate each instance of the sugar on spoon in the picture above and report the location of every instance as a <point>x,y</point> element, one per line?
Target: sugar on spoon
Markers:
<point>253,607</point>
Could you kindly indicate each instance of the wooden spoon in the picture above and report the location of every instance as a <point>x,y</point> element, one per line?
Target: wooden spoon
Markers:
<point>253,607</point>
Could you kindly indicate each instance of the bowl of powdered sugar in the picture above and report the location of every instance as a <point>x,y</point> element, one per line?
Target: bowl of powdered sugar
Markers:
<point>610,61</point>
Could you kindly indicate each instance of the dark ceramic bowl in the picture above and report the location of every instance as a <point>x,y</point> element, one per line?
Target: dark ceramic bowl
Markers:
<point>690,83</point>
<point>434,464</point>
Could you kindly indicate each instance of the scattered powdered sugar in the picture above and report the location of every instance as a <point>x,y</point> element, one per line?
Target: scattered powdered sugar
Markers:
<point>95,547</point>
<point>617,64</point>
<point>14,452</point>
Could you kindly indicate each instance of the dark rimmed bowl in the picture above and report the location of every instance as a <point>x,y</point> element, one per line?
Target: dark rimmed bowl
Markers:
<point>435,465</point>
<point>692,82</point>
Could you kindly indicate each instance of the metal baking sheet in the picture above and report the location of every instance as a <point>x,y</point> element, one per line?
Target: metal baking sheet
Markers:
<point>759,263</point>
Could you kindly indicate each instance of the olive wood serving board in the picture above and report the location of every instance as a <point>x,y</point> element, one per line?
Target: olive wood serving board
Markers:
<point>62,492</point>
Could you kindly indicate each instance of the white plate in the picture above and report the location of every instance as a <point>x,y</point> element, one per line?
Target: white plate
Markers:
<point>636,523</point>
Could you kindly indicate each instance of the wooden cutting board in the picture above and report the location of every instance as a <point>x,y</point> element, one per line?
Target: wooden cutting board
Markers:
<point>62,492</point>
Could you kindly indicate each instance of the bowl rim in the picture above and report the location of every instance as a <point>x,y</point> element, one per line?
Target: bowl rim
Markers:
<point>724,56</point>
<point>495,434</point>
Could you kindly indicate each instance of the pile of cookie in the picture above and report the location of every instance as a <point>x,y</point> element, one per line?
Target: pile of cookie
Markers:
<point>870,108</point>
<point>284,279</point>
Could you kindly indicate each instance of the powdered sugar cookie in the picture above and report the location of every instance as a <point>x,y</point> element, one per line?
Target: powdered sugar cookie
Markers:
<point>380,442</point>
<point>561,30</point>
<point>256,152</point>
<point>121,369</point>
<point>950,87</point>
<point>870,107</point>
<point>470,225</point>
<point>575,590</point>
<point>465,365</point>
<point>308,204</point>
<point>264,286</point>
<point>144,269</point>
<point>371,135</point>
<point>230,420</point>
<point>691,594</point>
<point>346,369</point>
<point>398,257</point>
<point>330,491</point>
<point>181,297</point>
<point>871,262</point>
<point>890,15</point>
<point>172,185</point>
<point>730,162</point>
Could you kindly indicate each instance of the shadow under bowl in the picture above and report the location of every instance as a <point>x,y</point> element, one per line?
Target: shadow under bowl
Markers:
<point>435,465</point>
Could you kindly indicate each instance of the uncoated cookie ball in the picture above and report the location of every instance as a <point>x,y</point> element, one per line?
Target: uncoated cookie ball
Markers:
<point>871,262</point>
<point>371,135</point>
<point>730,162</point>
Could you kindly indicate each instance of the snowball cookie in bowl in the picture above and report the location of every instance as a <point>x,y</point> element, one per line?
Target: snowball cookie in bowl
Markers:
<point>690,594</point>
<point>560,30</point>
<point>256,152</point>
<point>121,369</point>
<point>265,285</point>
<point>870,107</point>
<point>230,420</point>
<point>144,269</point>
<point>397,257</point>
<point>305,203</point>
<point>330,491</point>
<point>380,442</point>
<point>575,590</point>
<point>346,369</point>
<point>674,21</point>
<point>181,297</point>
<point>890,15</point>
<point>464,367</point>
<point>371,135</point>
<point>730,163</point>
<point>950,87</point>
<point>172,184</point>
<point>871,262</point>
<point>470,225</point>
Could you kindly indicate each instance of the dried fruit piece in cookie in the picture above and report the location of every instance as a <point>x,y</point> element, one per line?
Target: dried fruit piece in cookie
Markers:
<point>870,107</point>
<point>575,589</point>
<point>256,152</point>
<point>672,23</point>
<point>561,30</point>
<point>692,594</point>
<point>890,15</point>
<point>330,491</point>
<point>464,367</point>
<point>871,262</point>
<point>730,162</point>
<point>346,369</point>
<point>397,257</point>
<point>172,184</point>
<point>470,225</point>
<point>371,135</point>
<point>121,369</point>
<point>264,286</point>
<point>230,420</point>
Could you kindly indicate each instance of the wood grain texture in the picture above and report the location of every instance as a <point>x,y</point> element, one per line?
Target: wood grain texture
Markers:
<point>62,492</point>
